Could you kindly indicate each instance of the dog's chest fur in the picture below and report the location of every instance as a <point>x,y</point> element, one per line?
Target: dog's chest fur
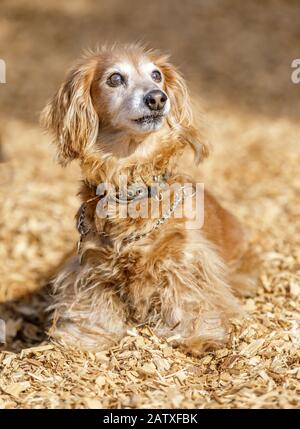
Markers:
<point>122,267</point>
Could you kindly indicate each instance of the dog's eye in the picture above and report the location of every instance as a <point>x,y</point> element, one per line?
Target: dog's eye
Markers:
<point>156,76</point>
<point>116,79</point>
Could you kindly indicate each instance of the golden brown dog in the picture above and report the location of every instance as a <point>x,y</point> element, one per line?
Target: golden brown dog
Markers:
<point>125,112</point>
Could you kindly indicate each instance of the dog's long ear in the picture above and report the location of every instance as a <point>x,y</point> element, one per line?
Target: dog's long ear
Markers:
<point>181,115</point>
<point>70,115</point>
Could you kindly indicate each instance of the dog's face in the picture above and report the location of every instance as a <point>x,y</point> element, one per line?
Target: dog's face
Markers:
<point>128,93</point>
<point>124,89</point>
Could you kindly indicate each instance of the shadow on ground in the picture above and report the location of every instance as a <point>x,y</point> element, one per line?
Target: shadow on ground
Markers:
<point>26,321</point>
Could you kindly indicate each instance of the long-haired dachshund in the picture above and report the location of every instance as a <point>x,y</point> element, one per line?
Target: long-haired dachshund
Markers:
<point>125,112</point>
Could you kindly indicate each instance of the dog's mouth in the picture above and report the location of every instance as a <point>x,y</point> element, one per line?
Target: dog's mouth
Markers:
<point>149,119</point>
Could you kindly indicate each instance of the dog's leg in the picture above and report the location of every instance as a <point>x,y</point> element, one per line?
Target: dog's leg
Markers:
<point>244,274</point>
<point>187,320</point>
<point>87,313</point>
<point>232,241</point>
<point>197,302</point>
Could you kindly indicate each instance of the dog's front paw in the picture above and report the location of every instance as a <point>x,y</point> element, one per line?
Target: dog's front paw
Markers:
<point>82,337</point>
<point>212,333</point>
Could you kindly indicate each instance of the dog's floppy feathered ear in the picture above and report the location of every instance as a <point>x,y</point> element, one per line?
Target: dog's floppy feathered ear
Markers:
<point>70,115</point>
<point>181,115</point>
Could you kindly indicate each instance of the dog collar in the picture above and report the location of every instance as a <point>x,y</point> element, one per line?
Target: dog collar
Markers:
<point>136,192</point>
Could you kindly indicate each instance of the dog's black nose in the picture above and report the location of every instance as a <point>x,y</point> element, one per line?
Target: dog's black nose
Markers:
<point>155,99</point>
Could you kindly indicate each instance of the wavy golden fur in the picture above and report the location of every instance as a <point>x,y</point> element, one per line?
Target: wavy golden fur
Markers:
<point>174,278</point>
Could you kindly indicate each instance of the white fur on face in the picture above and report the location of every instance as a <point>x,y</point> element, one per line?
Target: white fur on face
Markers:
<point>126,102</point>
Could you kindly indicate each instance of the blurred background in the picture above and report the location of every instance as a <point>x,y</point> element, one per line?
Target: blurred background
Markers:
<point>233,53</point>
<point>236,57</point>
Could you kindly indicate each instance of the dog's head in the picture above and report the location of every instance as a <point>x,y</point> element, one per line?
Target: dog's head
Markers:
<point>117,90</point>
